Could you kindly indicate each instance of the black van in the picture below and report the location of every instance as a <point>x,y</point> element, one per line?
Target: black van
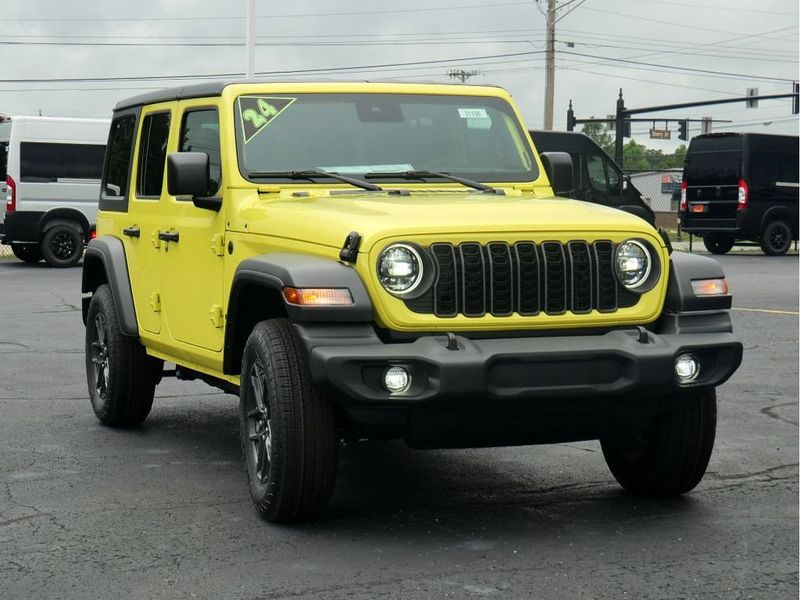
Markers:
<point>595,176</point>
<point>741,186</point>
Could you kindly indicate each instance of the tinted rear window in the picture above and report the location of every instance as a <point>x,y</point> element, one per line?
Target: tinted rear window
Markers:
<point>44,162</point>
<point>713,168</point>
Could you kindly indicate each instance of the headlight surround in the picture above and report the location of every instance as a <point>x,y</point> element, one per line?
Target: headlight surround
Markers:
<point>400,269</point>
<point>633,263</point>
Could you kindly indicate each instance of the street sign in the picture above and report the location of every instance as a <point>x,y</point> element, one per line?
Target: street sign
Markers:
<point>660,134</point>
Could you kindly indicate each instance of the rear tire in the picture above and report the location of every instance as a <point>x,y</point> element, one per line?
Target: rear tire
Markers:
<point>776,238</point>
<point>671,457</point>
<point>287,427</point>
<point>121,376</point>
<point>62,244</point>
<point>718,244</point>
<point>29,253</point>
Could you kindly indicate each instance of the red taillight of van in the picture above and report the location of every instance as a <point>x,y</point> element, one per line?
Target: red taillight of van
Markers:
<point>683,196</point>
<point>11,199</point>
<point>744,195</point>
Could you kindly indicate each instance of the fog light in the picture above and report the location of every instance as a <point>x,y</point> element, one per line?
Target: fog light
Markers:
<point>396,380</point>
<point>686,368</point>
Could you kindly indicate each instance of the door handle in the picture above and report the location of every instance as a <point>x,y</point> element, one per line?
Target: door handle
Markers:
<point>132,231</point>
<point>169,236</point>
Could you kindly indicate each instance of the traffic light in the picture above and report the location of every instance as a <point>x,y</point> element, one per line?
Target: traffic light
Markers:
<point>626,128</point>
<point>570,119</point>
<point>683,130</point>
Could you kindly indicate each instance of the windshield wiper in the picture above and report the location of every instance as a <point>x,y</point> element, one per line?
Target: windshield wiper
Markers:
<point>422,175</point>
<point>312,174</point>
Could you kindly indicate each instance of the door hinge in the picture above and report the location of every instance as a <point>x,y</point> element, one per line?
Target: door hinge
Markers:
<point>155,301</point>
<point>216,315</point>
<point>218,244</point>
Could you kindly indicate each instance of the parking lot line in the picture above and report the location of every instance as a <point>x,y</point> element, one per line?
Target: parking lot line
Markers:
<point>769,311</point>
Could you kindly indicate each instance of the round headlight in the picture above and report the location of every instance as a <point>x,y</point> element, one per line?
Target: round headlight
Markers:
<point>400,269</point>
<point>633,263</point>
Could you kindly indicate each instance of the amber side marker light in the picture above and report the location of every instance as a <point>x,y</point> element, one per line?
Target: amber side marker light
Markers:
<point>710,287</point>
<point>317,296</point>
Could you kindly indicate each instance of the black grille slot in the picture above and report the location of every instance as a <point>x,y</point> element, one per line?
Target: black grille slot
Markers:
<point>581,273</point>
<point>606,282</point>
<point>555,280</point>
<point>501,279</point>
<point>445,292</point>
<point>473,280</point>
<point>526,278</point>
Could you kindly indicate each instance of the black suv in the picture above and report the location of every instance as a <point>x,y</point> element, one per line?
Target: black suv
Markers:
<point>741,186</point>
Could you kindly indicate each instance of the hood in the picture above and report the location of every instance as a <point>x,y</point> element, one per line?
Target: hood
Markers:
<point>431,212</point>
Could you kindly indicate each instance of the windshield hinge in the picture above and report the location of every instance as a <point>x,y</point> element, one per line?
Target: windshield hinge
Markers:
<point>216,316</point>
<point>218,244</point>
<point>269,189</point>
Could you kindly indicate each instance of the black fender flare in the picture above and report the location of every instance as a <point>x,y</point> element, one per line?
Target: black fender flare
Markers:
<point>777,213</point>
<point>683,269</point>
<point>276,271</point>
<point>57,216</point>
<point>105,262</point>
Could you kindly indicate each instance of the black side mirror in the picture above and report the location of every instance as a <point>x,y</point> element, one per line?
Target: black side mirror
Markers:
<point>188,175</point>
<point>558,166</point>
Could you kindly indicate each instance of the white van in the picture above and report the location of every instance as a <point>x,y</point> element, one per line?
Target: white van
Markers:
<point>52,178</point>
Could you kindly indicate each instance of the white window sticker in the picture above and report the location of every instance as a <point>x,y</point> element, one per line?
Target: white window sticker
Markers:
<point>473,113</point>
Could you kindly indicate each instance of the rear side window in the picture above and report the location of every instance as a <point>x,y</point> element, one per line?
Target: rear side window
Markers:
<point>45,162</point>
<point>200,133</point>
<point>3,160</point>
<point>152,155</point>
<point>769,168</point>
<point>119,156</point>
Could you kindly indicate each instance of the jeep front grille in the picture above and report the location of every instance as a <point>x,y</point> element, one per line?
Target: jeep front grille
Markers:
<point>526,278</point>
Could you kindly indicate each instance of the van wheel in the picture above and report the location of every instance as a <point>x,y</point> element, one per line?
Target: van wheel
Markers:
<point>776,238</point>
<point>121,376</point>
<point>671,457</point>
<point>287,427</point>
<point>718,244</point>
<point>28,253</point>
<point>62,244</point>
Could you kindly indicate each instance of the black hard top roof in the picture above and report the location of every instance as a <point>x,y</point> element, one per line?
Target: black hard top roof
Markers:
<point>215,88</point>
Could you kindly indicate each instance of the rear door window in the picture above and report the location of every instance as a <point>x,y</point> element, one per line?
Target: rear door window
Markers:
<point>119,156</point>
<point>713,168</point>
<point>152,155</point>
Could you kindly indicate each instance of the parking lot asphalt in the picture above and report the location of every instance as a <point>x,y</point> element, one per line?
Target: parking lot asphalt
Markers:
<point>162,511</point>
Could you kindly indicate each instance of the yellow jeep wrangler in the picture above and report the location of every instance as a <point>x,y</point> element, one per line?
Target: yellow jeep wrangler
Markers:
<point>363,260</point>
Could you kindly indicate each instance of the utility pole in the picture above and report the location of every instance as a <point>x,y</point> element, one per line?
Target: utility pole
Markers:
<point>550,64</point>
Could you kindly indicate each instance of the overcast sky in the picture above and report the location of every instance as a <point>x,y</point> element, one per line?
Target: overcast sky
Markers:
<point>62,58</point>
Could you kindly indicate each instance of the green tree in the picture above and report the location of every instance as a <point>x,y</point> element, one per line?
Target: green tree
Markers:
<point>599,133</point>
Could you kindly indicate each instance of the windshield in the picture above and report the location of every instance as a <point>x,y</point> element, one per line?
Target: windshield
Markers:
<point>354,134</point>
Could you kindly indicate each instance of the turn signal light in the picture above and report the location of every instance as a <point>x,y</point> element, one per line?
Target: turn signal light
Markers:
<point>317,296</point>
<point>710,287</point>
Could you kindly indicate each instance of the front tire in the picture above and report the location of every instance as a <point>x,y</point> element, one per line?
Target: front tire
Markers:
<point>120,375</point>
<point>718,244</point>
<point>287,427</point>
<point>671,457</point>
<point>62,244</point>
<point>29,253</point>
<point>776,238</point>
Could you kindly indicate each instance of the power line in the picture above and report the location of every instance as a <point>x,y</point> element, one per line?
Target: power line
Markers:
<point>678,68</point>
<point>715,7</point>
<point>271,17</point>
<point>270,73</point>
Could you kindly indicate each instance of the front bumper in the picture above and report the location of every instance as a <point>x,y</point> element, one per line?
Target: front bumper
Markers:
<point>613,375</point>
